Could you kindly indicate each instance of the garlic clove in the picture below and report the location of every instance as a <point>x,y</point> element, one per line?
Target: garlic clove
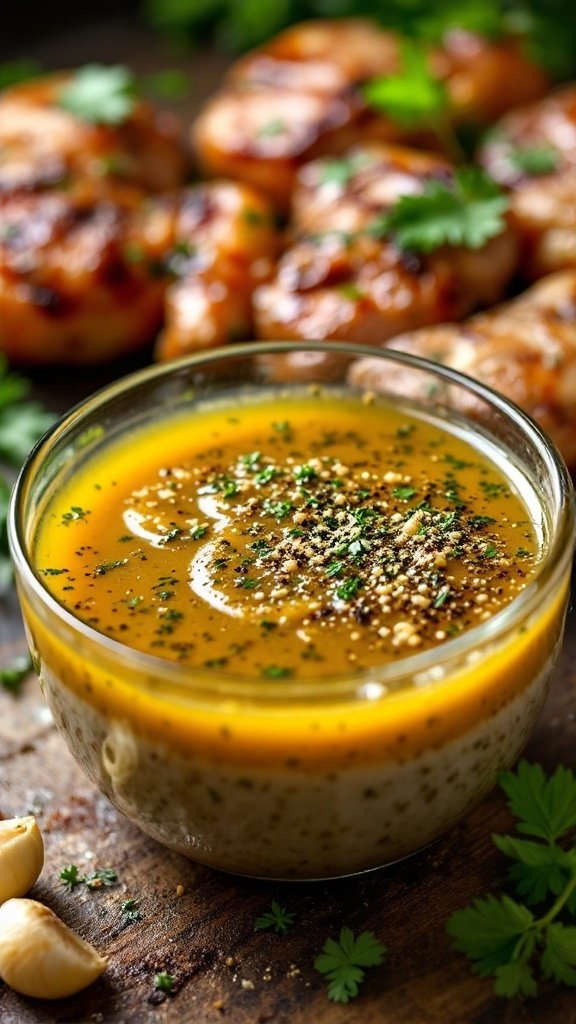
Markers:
<point>40,956</point>
<point>21,856</point>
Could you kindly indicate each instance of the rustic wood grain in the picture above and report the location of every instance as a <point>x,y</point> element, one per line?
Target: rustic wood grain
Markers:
<point>206,938</point>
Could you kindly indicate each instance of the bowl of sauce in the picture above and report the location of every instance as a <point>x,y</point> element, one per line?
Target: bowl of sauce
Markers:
<point>294,630</point>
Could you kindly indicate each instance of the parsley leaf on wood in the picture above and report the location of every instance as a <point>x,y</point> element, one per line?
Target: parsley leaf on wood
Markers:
<point>100,94</point>
<point>277,919</point>
<point>343,962</point>
<point>503,937</point>
<point>468,212</point>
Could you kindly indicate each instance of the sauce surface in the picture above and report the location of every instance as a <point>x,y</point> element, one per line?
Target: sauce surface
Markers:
<point>303,536</point>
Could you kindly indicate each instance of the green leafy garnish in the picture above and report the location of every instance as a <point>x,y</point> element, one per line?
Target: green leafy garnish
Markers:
<point>412,97</point>
<point>164,982</point>
<point>534,160</point>
<point>277,919</point>
<point>13,72</point>
<point>21,422</point>
<point>71,877</point>
<point>343,962</point>
<point>100,878</point>
<point>100,94</point>
<point>13,675</point>
<point>130,911</point>
<point>468,212</point>
<point>503,937</point>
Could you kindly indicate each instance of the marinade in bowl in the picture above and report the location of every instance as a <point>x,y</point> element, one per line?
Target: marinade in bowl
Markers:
<point>294,630</point>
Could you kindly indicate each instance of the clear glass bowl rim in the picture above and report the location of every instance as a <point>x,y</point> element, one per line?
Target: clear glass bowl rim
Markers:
<point>198,682</point>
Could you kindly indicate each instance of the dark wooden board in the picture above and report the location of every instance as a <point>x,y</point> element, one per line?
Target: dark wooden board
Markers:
<point>225,971</point>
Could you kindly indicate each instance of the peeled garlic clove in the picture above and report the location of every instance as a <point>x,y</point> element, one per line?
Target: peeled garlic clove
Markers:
<point>21,856</point>
<point>40,956</point>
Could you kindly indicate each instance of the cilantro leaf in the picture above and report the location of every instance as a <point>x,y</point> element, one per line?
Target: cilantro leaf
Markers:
<point>100,94</point>
<point>489,931</point>
<point>540,869</point>
<point>546,807</point>
<point>468,212</point>
<point>277,919</point>
<point>558,960</point>
<point>515,979</point>
<point>343,961</point>
<point>21,422</point>
<point>13,675</point>
<point>534,160</point>
<point>71,877</point>
<point>412,97</point>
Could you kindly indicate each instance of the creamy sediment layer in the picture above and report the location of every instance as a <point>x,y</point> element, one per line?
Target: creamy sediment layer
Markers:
<point>280,821</point>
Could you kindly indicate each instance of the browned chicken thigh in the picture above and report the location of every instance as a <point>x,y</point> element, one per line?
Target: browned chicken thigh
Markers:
<point>525,349</point>
<point>533,153</point>
<point>343,278</point>
<point>42,143</point>
<point>300,96</point>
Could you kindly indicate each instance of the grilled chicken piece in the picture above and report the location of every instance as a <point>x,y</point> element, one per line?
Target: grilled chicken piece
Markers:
<point>533,153</point>
<point>300,97</point>
<point>85,279</point>
<point>41,144</point>
<point>340,279</point>
<point>218,240</point>
<point>525,349</point>
<point>70,290</point>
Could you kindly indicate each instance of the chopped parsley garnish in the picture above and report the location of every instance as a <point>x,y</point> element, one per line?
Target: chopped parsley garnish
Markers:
<point>404,493</point>
<point>198,532</point>
<point>74,515</point>
<point>277,919</point>
<point>343,962</point>
<point>277,672</point>
<point>348,590</point>
<point>467,211</point>
<point>164,982</point>
<point>71,877</point>
<point>279,509</point>
<point>100,94</point>
<point>130,911</point>
<point>534,160</point>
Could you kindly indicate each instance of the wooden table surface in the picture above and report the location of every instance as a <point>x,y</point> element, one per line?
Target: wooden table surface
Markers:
<point>224,970</point>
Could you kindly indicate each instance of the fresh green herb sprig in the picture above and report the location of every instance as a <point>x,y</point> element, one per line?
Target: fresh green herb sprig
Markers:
<point>164,982</point>
<point>100,94</point>
<point>277,919</point>
<point>21,421</point>
<point>131,911</point>
<point>13,675</point>
<point>343,962</point>
<point>70,876</point>
<point>468,212</point>
<point>503,937</point>
<point>21,424</point>
<point>414,97</point>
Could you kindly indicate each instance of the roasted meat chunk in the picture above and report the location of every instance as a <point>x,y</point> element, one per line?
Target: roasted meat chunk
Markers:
<point>217,241</point>
<point>345,277</point>
<point>301,96</point>
<point>533,152</point>
<point>42,143</point>
<point>525,349</point>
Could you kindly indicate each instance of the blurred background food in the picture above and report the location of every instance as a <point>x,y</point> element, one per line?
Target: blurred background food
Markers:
<point>202,173</point>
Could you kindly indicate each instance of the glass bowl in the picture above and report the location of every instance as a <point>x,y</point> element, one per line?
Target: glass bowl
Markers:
<point>313,778</point>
